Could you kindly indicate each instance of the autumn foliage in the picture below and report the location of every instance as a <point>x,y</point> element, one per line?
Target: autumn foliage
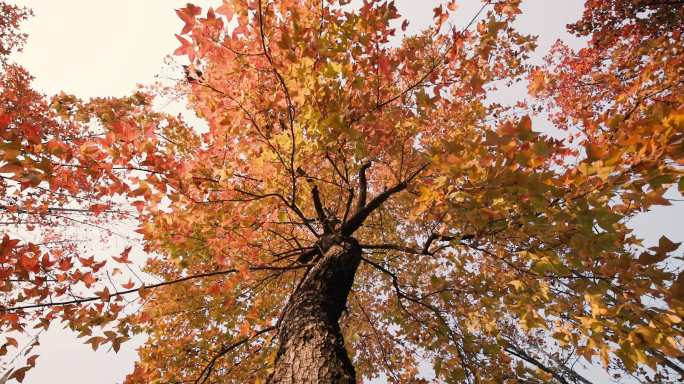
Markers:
<point>488,251</point>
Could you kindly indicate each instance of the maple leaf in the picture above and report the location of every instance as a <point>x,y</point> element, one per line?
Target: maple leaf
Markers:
<point>88,279</point>
<point>188,15</point>
<point>12,341</point>
<point>29,263</point>
<point>186,48</point>
<point>123,259</point>
<point>226,9</point>
<point>87,262</point>
<point>384,66</point>
<point>5,119</point>
<point>139,205</point>
<point>7,246</point>
<point>32,133</point>
<point>57,148</point>
<point>98,209</point>
<point>31,361</point>
<point>20,374</point>
<point>440,16</point>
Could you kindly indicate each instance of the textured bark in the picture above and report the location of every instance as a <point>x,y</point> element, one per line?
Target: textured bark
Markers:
<point>311,347</point>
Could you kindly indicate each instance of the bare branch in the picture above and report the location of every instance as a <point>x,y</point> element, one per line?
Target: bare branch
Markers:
<point>392,247</point>
<point>436,237</point>
<point>363,187</point>
<point>359,217</point>
<point>322,217</point>
<point>348,206</point>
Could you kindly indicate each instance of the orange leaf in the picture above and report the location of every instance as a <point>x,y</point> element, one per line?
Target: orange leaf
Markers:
<point>123,259</point>
<point>188,14</point>
<point>226,9</point>
<point>13,342</point>
<point>29,263</point>
<point>88,279</point>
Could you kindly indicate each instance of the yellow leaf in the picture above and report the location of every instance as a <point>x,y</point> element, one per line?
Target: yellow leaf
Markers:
<point>517,284</point>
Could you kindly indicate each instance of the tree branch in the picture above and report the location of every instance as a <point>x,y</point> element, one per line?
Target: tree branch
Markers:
<point>348,206</point>
<point>436,237</point>
<point>401,294</point>
<point>421,82</point>
<point>206,372</point>
<point>521,354</point>
<point>392,247</point>
<point>359,217</point>
<point>318,205</point>
<point>143,287</point>
<point>363,187</point>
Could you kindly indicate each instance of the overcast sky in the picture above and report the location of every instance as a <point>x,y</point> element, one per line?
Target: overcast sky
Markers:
<point>104,48</point>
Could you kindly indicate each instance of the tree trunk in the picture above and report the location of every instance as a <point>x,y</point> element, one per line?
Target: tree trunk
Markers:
<point>311,347</point>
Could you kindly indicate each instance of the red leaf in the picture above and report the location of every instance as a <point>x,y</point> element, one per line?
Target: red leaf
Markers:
<point>440,15</point>
<point>98,208</point>
<point>65,264</point>
<point>139,205</point>
<point>7,246</point>
<point>32,133</point>
<point>188,14</point>
<point>144,293</point>
<point>88,279</point>
<point>226,10</point>
<point>29,263</point>
<point>45,261</point>
<point>104,294</point>
<point>215,289</point>
<point>5,119</point>
<point>57,148</point>
<point>87,262</point>
<point>123,259</point>
<point>125,130</point>
<point>384,66</point>
<point>186,48</point>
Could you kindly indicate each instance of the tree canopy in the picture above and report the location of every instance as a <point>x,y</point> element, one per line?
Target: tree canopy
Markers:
<point>357,182</point>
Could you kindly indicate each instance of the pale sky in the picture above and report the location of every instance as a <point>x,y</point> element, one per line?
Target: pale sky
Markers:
<point>104,48</point>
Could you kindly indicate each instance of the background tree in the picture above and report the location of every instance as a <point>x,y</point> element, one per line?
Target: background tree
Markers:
<point>358,208</point>
<point>58,190</point>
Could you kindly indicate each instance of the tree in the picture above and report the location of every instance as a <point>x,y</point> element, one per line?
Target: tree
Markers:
<point>57,183</point>
<point>357,206</point>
